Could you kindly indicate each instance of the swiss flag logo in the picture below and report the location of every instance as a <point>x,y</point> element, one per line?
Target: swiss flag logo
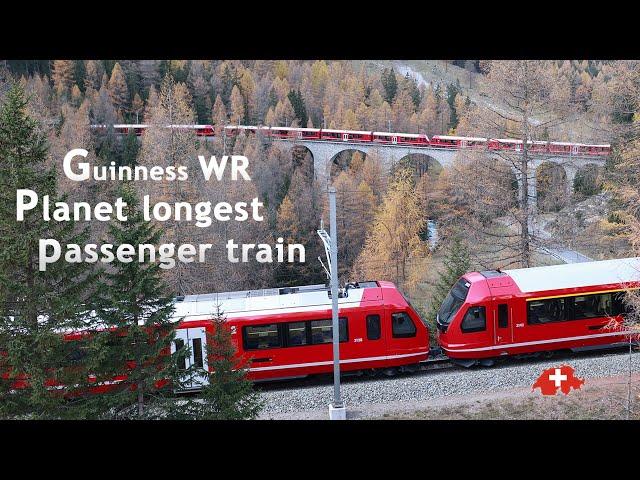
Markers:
<point>555,378</point>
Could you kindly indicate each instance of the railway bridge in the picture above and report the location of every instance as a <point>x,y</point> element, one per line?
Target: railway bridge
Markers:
<point>324,154</point>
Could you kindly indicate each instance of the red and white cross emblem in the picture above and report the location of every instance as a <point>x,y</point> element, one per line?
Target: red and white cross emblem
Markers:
<point>557,377</point>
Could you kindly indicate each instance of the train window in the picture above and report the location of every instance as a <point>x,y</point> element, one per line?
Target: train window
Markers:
<point>592,306</point>
<point>297,334</point>
<point>321,331</point>
<point>503,315</point>
<point>402,326</point>
<point>475,320</point>
<point>196,345</point>
<point>546,311</point>
<point>182,361</point>
<point>373,327</point>
<point>620,305</point>
<point>453,301</point>
<point>261,336</point>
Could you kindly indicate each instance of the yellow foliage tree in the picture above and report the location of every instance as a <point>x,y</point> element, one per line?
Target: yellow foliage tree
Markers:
<point>394,249</point>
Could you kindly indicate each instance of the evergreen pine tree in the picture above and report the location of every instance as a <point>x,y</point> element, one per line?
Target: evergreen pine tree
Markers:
<point>228,395</point>
<point>299,107</point>
<point>136,316</point>
<point>36,306</point>
<point>456,264</point>
<point>390,84</point>
<point>130,149</point>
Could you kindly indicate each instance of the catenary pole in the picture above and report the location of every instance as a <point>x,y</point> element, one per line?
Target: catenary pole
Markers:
<point>337,401</point>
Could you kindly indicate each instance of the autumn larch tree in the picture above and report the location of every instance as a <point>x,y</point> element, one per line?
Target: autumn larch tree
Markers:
<point>620,101</point>
<point>62,74</point>
<point>169,146</point>
<point>118,90</point>
<point>523,98</point>
<point>394,249</point>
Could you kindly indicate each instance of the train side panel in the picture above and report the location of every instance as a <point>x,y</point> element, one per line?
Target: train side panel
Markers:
<point>496,319</point>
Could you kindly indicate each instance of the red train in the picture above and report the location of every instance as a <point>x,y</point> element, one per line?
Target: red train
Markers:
<point>383,138</point>
<point>287,333</point>
<point>496,313</point>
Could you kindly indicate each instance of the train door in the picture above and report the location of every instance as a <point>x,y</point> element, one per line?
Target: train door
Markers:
<point>394,139</point>
<point>374,341</point>
<point>502,323</point>
<point>196,339</point>
<point>345,137</point>
<point>574,149</point>
<point>299,134</point>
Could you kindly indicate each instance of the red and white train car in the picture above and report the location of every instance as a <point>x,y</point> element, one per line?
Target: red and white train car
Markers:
<point>523,311</point>
<point>416,139</point>
<point>287,333</point>
<point>602,149</point>
<point>346,135</point>
<point>450,141</point>
<point>295,133</point>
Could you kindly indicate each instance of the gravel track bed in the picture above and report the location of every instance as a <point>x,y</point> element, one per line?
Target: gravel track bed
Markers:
<point>440,383</point>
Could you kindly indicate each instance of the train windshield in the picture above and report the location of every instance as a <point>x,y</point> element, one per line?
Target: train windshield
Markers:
<point>452,303</point>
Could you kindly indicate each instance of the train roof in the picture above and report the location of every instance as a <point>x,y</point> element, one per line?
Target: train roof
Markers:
<point>297,129</point>
<point>360,132</point>
<point>242,127</point>
<point>270,301</point>
<point>410,135</point>
<point>575,275</point>
<point>454,137</point>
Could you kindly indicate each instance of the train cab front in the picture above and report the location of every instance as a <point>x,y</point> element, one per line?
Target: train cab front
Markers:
<point>461,320</point>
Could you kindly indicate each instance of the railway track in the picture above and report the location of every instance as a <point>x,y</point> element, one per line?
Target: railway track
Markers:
<point>439,363</point>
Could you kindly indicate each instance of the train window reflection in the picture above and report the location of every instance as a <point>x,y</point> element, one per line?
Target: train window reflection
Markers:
<point>322,331</point>
<point>591,306</point>
<point>453,301</point>
<point>402,326</point>
<point>261,336</point>
<point>546,311</point>
<point>474,320</point>
<point>297,334</point>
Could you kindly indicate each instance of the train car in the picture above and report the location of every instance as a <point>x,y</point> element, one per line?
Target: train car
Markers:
<point>504,144</point>
<point>450,141</point>
<point>283,132</point>
<point>538,146</point>
<point>204,130</point>
<point>579,306</point>
<point>346,135</point>
<point>233,130</point>
<point>125,129</point>
<point>287,333</point>
<point>416,139</point>
<point>597,150</point>
<point>563,148</point>
<point>603,149</point>
<point>295,133</point>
